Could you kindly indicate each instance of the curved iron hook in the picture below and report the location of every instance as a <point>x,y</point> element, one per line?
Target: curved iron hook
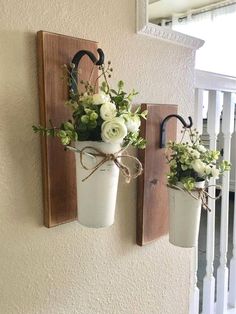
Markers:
<point>76,60</point>
<point>163,127</point>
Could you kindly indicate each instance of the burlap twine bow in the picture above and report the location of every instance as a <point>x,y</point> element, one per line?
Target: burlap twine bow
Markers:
<point>202,194</point>
<point>94,152</point>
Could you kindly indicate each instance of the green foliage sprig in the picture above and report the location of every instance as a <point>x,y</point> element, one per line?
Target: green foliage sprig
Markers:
<point>106,116</point>
<point>191,162</point>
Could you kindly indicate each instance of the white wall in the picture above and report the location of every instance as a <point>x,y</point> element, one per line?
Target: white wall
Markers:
<point>69,269</point>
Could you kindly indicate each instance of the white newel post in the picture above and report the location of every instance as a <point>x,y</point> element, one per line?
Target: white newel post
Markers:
<point>232,278</point>
<point>213,129</point>
<point>222,271</point>
<point>96,195</point>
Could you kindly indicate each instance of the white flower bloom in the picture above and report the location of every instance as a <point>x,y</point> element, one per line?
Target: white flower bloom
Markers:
<point>132,123</point>
<point>195,153</point>
<point>198,166</point>
<point>86,98</point>
<point>184,167</point>
<point>215,172</point>
<point>208,170</point>
<point>114,131</point>
<point>201,148</point>
<point>101,98</point>
<point>108,111</point>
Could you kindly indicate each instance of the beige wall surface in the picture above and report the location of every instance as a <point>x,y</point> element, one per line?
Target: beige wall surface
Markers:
<point>71,269</point>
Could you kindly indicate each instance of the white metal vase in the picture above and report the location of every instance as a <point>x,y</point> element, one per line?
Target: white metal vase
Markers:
<point>184,217</point>
<point>96,196</point>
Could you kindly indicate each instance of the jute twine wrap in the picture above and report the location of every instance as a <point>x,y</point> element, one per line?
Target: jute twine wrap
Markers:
<point>202,194</point>
<point>115,157</point>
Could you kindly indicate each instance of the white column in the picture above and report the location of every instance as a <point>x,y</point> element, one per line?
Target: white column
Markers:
<point>222,271</point>
<point>232,278</point>
<point>213,129</point>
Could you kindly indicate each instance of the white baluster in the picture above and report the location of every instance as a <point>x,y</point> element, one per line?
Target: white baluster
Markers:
<point>222,271</point>
<point>198,124</point>
<point>213,128</point>
<point>198,110</point>
<point>194,296</point>
<point>232,278</point>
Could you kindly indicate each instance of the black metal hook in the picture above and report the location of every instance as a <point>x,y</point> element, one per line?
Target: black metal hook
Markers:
<point>163,127</point>
<point>76,60</point>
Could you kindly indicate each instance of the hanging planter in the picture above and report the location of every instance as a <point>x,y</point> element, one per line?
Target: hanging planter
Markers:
<point>102,126</point>
<point>98,166</point>
<point>191,167</point>
<point>96,195</point>
<point>184,216</point>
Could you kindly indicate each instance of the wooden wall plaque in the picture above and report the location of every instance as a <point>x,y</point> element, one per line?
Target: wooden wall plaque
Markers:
<point>59,175</point>
<point>152,198</point>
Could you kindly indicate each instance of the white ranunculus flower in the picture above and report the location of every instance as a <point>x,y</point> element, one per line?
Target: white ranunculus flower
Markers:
<point>108,111</point>
<point>201,148</point>
<point>198,166</point>
<point>215,172</point>
<point>132,123</point>
<point>101,98</point>
<point>114,131</point>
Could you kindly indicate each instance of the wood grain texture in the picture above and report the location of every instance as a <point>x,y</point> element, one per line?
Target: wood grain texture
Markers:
<point>152,198</point>
<point>59,175</point>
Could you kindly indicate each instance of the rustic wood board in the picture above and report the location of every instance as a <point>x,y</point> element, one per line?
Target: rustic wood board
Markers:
<point>152,198</point>
<point>59,175</point>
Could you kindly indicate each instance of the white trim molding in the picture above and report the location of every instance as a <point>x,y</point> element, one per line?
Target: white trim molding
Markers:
<point>145,28</point>
<point>214,81</point>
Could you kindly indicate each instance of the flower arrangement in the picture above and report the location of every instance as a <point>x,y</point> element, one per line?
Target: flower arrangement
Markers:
<point>190,162</point>
<point>106,116</point>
